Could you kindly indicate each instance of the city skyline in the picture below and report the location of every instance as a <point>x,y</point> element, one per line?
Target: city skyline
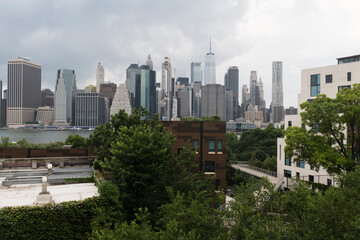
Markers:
<point>248,34</point>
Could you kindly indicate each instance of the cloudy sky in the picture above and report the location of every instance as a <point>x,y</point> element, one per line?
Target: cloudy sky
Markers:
<point>250,34</point>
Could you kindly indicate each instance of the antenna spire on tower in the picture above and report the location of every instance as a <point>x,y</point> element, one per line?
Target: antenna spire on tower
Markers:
<point>210,44</point>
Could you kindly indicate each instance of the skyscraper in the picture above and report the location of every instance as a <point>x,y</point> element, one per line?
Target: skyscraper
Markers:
<point>64,97</point>
<point>24,91</point>
<point>232,84</point>
<point>253,82</point>
<point>145,90</point>
<point>277,91</point>
<point>99,76</point>
<point>149,62</point>
<point>196,72</point>
<point>167,88</point>
<point>213,101</point>
<point>90,109</point>
<point>122,100</point>
<point>210,68</point>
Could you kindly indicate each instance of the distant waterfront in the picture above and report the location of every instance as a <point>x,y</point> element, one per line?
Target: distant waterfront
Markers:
<point>39,136</point>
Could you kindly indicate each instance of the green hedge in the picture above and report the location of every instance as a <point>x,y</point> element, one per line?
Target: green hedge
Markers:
<point>70,220</point>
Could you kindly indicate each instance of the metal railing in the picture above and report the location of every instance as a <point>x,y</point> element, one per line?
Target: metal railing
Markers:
<point>257,169</point>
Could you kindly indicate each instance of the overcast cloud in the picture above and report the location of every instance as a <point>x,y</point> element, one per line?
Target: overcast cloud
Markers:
<point>250,34</point>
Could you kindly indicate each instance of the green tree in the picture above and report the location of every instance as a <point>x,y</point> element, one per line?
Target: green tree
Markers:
<point>329,136</point>
<point>76,141</point>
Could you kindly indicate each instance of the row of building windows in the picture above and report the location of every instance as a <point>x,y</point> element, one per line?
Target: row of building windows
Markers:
<point>315,83</point>
<point>287,174</point>
<point>300,164</point>
<point>211,146</point>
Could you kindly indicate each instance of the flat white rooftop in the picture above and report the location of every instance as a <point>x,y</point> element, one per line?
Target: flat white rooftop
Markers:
<point>25,195</point>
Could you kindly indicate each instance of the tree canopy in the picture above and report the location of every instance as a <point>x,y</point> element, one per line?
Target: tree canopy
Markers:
<point>257,146</point>
<point>138,156</point>
<point>329,135</point>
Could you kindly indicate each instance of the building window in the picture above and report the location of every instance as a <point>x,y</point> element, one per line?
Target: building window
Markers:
<point>300,164</point>
<point>287,173</point>
<point>196,144</point>
<point>349,76</point>
<point>209,166</point>
<point>211,146</point>
<point>287,161</point>
<point>315,85</point>
<point>289,123</point>
<point>345,86</point>
<point>329,182</point>
<point>217,184</point>
<point>179,151</point>
<point>311,178</point>
<point>219,146</point>
<point>280,152</point>
<point>311,166</point>
<point>297,175</point>
<point>328,78</point>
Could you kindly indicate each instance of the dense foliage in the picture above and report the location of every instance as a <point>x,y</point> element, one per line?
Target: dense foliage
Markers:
<point>257,146</point>
<point>202,119</point>
<point>70,220</point>
<point>76,141</point>
<point>5,143</point>
<point>329,136</point>
<point>138,156</point>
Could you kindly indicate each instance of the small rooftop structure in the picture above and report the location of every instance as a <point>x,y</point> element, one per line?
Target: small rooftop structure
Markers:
<point>354,58</point>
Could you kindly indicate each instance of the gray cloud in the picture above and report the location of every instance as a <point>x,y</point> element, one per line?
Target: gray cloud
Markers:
<point>245,33</point>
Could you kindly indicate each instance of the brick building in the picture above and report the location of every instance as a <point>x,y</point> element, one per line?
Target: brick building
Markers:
<point>210,140</point>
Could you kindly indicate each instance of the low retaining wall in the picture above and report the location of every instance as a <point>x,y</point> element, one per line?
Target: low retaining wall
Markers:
<point>9,163</point>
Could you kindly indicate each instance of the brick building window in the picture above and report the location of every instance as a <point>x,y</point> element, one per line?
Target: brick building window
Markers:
<point>219,145</point>
<point>209,166</point>
<point>211,146</point>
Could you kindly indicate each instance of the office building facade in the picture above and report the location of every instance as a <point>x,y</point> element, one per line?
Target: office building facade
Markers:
<point>210,68</point>
<point>196,72</point>
<point>213,101</point>
<point>23,90</point>
<point>90,109</point>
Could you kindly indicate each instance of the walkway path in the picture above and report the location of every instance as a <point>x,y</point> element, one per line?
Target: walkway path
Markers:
<point>273,177</point>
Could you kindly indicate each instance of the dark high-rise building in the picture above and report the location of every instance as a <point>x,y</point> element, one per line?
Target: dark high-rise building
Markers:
<point>232,84</point>
<point>47,98</point>
<point>24,91</point>
<point>89,109</point>
<point>109,90</point>
<point>213,101</point>
<point>145,90</point>
<point>195,99</point>
<point>183,101</point>
<point>182,81</point>
<point>131,72</point>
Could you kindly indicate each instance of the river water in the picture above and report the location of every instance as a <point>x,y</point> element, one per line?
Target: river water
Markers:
<point>39,136</point>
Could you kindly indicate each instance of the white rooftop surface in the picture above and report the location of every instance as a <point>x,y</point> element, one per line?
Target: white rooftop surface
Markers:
<point>25,195</point>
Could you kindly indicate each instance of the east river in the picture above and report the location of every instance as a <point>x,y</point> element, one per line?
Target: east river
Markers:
<point>39,135</point>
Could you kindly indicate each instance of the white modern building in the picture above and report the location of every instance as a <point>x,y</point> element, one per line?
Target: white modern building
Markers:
<point>23,91</point>
<point>327,80</point>
<point>45,115</point>
<point>210,68</point>
<point>100,74</point>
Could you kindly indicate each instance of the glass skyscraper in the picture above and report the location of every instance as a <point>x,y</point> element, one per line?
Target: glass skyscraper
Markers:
<point>64,97</point>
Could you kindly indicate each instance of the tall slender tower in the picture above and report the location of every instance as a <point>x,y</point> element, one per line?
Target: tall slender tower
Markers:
<point>166,87</point>
<point>210,68</point>
<point>24,91</point>
<point>253,82</point>
<point>149,62</point>
<point>277,89</point>
<point>99,76</point>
